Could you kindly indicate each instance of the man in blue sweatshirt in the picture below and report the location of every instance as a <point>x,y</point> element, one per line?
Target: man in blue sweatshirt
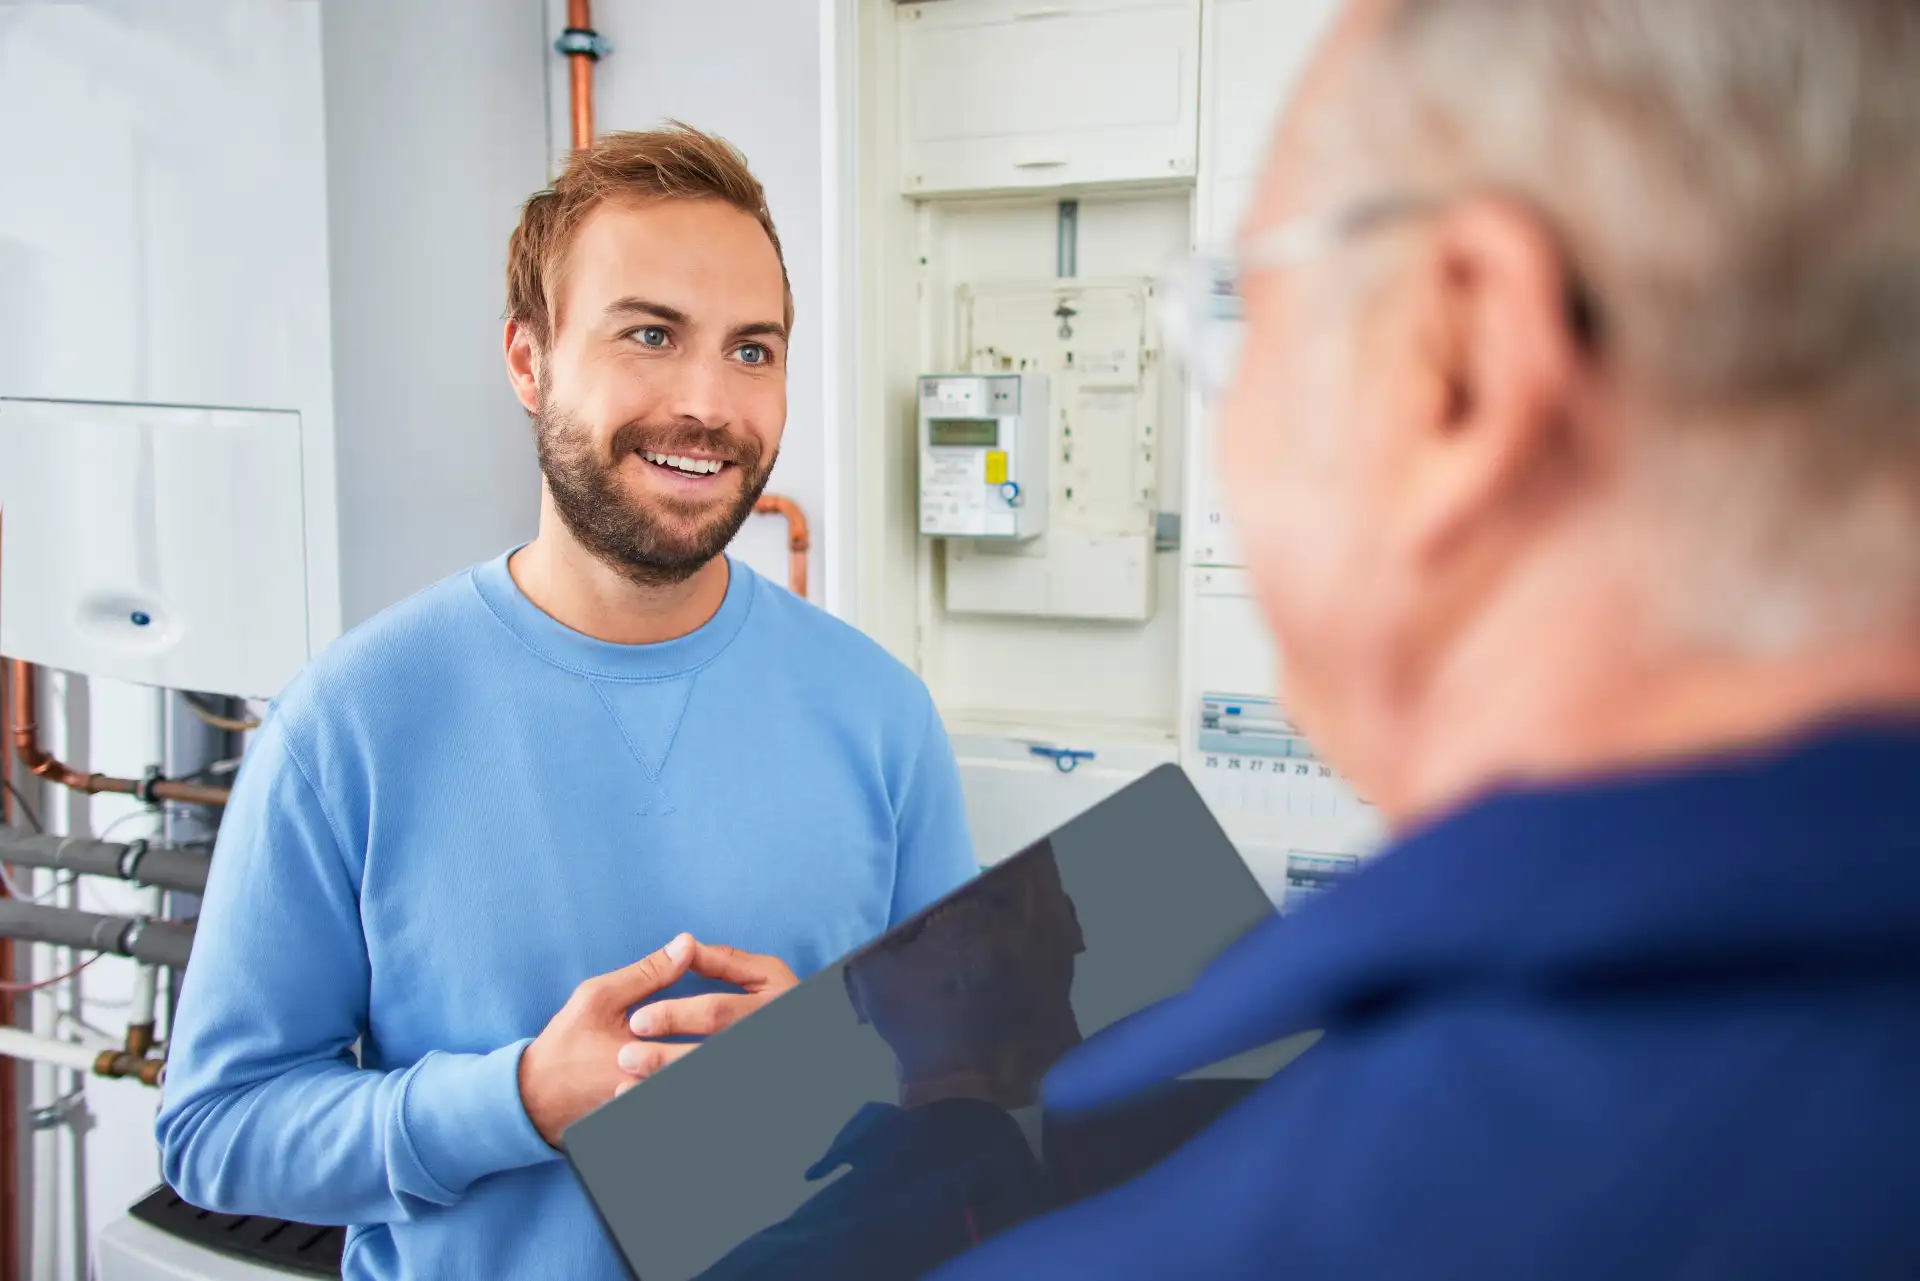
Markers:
<point>614,765</point>
<point>1575,457</point>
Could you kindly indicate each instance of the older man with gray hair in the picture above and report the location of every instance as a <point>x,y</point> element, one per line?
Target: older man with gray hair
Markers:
<point>1575,450</point>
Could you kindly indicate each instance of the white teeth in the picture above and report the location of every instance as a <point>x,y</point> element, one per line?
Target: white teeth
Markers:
<point>692,466</point>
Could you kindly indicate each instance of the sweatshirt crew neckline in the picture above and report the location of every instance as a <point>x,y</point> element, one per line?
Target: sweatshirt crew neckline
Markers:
<point>563,647</point>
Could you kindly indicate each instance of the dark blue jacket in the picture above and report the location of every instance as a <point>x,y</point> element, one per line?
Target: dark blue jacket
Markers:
<point>1656,1027</point>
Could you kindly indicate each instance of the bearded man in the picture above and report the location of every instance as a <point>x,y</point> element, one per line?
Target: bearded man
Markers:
<point>480,834</point>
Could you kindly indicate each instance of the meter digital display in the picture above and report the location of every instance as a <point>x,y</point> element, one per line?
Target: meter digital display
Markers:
<point>963,431</point>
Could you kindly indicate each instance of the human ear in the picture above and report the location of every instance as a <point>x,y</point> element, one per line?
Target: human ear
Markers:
<point>1506,364</point>
<point>523,365</point>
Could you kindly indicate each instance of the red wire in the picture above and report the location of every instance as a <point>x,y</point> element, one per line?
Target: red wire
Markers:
<point>16,989</point>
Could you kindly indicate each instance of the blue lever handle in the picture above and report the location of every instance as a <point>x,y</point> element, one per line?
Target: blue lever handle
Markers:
<point>1065,759</point>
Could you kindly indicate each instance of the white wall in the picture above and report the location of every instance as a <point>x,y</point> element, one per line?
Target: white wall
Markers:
<point>753,72</point>
<point>434,138</point>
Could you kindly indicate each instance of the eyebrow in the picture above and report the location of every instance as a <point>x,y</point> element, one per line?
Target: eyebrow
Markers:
<point>641,307</point>
<point>674,316</point>
<point>759,329</point>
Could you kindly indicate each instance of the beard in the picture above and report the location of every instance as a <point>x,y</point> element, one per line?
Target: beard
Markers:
<point>652,542</point>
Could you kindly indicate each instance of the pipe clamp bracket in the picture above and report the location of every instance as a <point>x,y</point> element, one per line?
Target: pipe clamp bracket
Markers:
<point>584,41</point>
<point>130,859</point>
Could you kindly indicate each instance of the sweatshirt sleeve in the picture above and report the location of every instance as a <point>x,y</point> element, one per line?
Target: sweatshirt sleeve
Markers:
<point>265,1110</point>
<point>935,848</point>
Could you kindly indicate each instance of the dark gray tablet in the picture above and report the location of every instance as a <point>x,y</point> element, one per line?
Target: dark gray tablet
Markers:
<point>882,1117</point>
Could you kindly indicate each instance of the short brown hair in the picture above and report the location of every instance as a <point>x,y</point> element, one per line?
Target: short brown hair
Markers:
<point>677,162</point>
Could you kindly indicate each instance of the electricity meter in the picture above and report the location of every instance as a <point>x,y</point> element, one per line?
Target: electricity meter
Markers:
<point>984,443</point>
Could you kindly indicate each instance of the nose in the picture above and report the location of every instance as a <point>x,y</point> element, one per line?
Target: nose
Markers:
<point>696,390</point>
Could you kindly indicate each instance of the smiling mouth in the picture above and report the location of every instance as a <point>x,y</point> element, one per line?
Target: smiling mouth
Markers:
<point>681,465</point>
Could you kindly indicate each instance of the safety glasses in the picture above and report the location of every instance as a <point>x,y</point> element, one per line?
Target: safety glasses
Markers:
<point>1202,318</point>
<point>1201,314</point>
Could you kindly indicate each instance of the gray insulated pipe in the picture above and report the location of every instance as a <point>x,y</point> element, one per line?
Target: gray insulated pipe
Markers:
<point>157,865</point>
<point>152,942</point>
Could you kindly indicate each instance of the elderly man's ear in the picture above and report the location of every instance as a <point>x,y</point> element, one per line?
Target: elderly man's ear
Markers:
<point>1496,424</point>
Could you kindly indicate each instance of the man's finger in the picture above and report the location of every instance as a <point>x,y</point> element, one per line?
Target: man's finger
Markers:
<point>641,1059</point>
<point>637,982</point>
<point>742,969</point>
<point>691,1015</point>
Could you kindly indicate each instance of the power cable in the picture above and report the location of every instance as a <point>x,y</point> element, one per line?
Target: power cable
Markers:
<point>232,724</point>
<point>17,989</point>
<point>25,808</point>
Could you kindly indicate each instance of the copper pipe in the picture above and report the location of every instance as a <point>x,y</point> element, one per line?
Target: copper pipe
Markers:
<point>797,541</point>
<point>120,1064</point>
<point>133,1061</point>
<point>9,1075</point>
<point>9,1138</point>
<point>9,1133</point>
<point>580,76</point>
<point>42,764</point>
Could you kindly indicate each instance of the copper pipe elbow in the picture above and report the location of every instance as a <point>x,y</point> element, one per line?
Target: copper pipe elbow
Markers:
<point>798,541</point>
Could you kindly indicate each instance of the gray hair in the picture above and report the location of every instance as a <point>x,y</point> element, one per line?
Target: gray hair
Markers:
<point>1738,182</point>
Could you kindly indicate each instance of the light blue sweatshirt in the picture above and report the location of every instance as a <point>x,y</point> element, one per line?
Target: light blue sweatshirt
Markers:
<point>462,810</point>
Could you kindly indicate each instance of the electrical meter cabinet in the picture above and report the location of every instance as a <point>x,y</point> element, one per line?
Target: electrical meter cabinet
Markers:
<point>984,444</point>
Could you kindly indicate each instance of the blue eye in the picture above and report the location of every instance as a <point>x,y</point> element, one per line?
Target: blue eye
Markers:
<point>651,335</point>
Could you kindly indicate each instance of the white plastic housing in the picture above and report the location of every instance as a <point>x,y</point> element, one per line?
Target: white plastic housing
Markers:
<point>996,488</point>
<point>162,546</point>
<point>1008,94</point>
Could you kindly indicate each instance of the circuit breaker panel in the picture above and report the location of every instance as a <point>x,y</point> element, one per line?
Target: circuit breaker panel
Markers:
<point>1299,825</point>
<point>1095,342</point>
<point>1028,179</point>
